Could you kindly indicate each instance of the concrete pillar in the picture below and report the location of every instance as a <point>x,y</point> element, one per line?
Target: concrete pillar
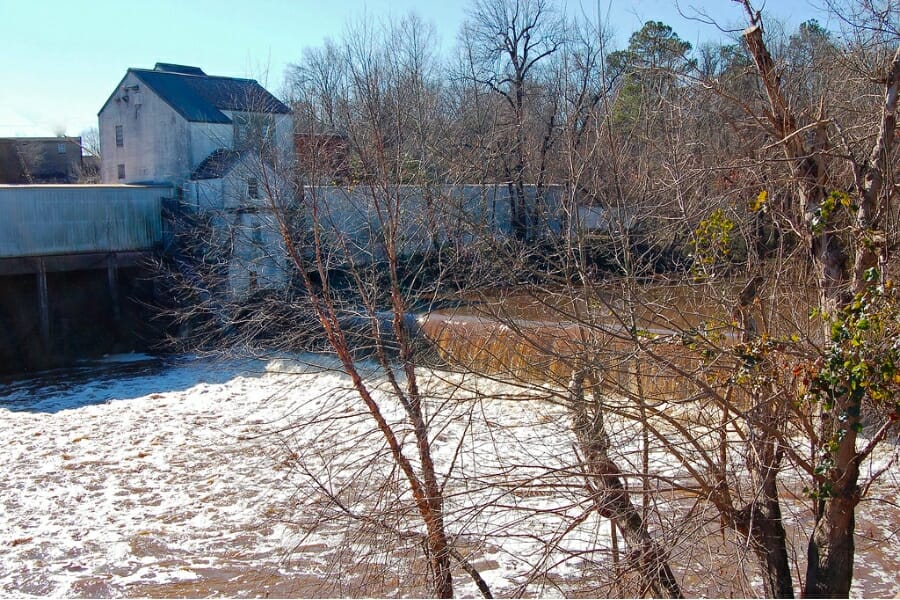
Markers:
<point>112,276</point>
<point>43,303</point>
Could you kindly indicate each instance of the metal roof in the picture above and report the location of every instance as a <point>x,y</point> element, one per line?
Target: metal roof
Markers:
<point>202,98</point>
<point>173,68</point>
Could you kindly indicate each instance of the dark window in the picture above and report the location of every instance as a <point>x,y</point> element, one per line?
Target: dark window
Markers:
<point>60,148</point>
<point>120,136</point>
<point>121,171</point>
<point>253,187</point>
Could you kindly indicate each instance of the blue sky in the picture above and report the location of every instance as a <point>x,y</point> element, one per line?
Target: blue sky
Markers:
<point>62,58</point>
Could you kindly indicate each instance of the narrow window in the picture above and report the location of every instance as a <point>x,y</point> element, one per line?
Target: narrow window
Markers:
<point>60,148</point>
<point>121,171</point>
<point>120,137</point>
<point>253,187</point>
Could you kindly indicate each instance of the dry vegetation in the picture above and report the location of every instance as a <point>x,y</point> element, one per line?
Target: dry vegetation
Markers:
<point>733,310</point>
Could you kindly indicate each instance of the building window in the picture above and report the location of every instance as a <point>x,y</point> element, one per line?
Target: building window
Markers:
<point>253,188</point>
<point>121,171</point>
<point>61,148</point>
<point>254,130</point>
<point>120,137</point>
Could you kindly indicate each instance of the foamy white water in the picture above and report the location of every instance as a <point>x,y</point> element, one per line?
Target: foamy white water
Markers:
<point>205,477</point>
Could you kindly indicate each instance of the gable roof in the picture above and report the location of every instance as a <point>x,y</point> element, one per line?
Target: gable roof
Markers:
<point>217,164</point>
<point>201,98</point>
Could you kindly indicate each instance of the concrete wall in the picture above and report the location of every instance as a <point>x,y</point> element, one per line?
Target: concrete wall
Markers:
<point>68,219</point>
<point>157,140</point>
<point>461,214</point>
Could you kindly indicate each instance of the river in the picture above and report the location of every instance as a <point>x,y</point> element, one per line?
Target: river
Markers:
<point>138,476</point>
<point>179,477</point>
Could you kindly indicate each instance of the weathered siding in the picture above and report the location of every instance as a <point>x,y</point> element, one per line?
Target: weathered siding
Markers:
<point>259,259</point>
<point>48,220</point>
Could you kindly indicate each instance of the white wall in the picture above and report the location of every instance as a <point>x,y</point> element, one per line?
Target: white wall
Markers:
<point>245,228</point>
<point>460,214</point>
<point>205,138</point>
<point>156,138</point>
<point>284,136</point>
<point>207,194</point>
<point>259,259</point>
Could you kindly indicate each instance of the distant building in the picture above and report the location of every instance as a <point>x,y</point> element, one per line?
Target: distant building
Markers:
<point>159,125</point>
<point>222,143</point>
<point>31,160</point>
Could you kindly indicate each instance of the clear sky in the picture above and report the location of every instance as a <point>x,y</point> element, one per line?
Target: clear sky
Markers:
<point>61,59</point>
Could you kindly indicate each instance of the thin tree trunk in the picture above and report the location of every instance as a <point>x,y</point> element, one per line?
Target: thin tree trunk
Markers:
<point>761,522</point>
<point>774,545</point>
<point>425,488</point>
<point>610,497</point>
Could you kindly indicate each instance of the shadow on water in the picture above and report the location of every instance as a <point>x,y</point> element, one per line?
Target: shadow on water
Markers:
<point>116,378</point>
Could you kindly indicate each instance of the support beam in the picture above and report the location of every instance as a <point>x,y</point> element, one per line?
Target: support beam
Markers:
<point>44,304</point>
<point>112,276</point>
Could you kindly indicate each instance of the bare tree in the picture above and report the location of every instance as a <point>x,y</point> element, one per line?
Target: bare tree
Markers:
<point>740,396</point>
<point>510,40</point>
<point>846,266</point>
<point>698,394</point>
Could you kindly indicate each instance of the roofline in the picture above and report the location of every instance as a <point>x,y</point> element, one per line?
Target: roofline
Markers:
<point>139,69</point>
<point>61,138</point>
<point>137,72</point>
<point>41,186</point>
<point>116,89</point>
<point>239,157</point>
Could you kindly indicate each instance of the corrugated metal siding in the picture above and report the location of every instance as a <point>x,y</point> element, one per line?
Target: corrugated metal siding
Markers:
<point>46,220</point>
